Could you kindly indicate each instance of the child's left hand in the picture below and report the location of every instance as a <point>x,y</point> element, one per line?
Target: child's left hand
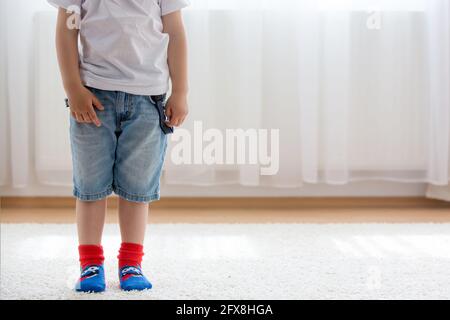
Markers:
<point>176,109</point>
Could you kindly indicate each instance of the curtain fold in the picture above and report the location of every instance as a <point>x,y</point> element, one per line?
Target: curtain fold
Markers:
<point>17,102</point>
<point>359,90</point>
<point>4,127</point>
<point>438,18</point>
<point>439,192</point>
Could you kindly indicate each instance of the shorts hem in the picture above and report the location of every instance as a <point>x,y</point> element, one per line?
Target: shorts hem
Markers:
<point>136,198</point>
<point>92,197</point>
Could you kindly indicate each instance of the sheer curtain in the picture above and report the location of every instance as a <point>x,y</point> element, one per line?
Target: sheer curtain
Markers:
<point>358,89</point>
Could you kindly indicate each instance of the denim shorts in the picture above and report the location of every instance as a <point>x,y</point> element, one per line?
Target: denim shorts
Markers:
<point>125,155</point>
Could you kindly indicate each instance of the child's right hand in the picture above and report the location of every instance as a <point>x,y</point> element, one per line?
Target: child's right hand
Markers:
<point>82,103</point>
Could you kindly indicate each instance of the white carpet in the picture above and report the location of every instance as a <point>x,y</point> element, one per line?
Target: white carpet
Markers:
<point>233,261</point>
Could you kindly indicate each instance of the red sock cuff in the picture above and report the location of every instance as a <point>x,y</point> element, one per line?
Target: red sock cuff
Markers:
<point>90,254</point>
<point>130,254</point>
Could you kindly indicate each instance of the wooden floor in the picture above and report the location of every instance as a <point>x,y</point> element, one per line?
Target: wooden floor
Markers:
<point>341,215</point>
<point>242,210</point>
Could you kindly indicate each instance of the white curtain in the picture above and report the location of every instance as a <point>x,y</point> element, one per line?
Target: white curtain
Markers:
<point>358,89</point>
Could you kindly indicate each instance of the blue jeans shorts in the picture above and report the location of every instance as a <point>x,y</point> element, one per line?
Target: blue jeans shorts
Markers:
<point>125,155</point>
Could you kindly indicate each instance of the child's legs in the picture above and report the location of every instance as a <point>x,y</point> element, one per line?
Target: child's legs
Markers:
<point>133,219</point>
<point>90,221</point>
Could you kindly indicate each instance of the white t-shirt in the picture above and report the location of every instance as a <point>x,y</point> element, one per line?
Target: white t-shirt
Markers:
<point>123,47</point>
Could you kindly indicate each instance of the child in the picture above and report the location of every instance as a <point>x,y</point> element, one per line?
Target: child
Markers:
<point>116,89</point>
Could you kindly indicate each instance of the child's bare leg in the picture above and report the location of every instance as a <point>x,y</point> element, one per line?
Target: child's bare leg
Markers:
<point>90,221</point>
<point>133,218</point>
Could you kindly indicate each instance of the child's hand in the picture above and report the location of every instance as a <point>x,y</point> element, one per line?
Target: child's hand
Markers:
<point>176,109</point>
<point>82,103</point>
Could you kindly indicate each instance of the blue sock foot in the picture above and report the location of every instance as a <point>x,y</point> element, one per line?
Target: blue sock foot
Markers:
<point>131,278</point>
<point>92,279</point>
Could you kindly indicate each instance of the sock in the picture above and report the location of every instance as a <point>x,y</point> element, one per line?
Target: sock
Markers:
<point>92,278</point>
<point>130,272</point>
<point>130,254</point>
<point>90,255</point>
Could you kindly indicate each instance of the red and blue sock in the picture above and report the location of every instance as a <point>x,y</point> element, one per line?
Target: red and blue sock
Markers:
<point>92,277</point>
<point>130,271</point>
